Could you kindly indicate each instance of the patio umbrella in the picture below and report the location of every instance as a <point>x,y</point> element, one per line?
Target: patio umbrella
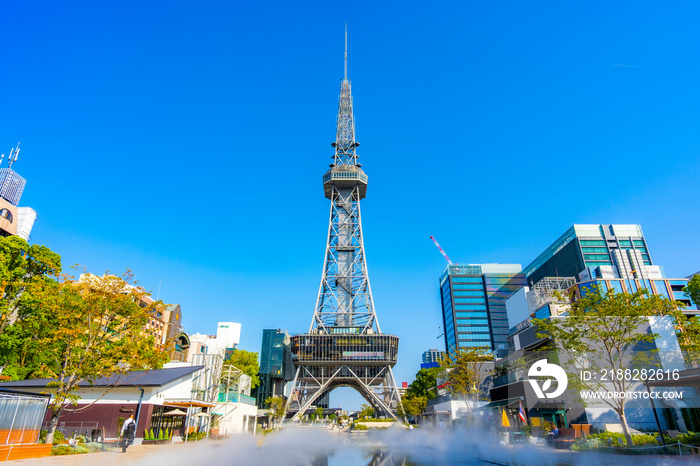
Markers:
<point>175,412</point>
<point>200,414</point>
<point>504,419</point>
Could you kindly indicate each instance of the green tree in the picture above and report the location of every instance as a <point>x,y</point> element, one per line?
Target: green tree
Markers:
<point>22,265</point>
<point>425,385</point>
<point>692,289</point>
<point>92,328</point>
<point>604,332</point>
<point>318,412</point>
<point>276,409</point>
<point>465,371</point>
<point>245,361</point>
<point>413,405</point>
<point>333,417</point>
<point>366,411</point>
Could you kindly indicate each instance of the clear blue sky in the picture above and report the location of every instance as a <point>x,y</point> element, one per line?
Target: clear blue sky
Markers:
<point>187,142</point>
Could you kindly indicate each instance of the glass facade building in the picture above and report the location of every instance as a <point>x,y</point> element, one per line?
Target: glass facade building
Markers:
<point>473,305</point>
<point>275,365</point>
<point>620,248</point>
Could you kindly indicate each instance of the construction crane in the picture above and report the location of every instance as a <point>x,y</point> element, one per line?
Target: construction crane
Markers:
<point>441,250</point>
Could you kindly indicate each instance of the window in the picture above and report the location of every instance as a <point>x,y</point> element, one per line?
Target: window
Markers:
<point>626,243</point>
<point>471,314</point>
<point>592,250</point>
<point>661,288</point>
<point>588,242</point>
<point>467,307</point>
<point>466,279</point>
<point>617,286</point>
<point>6,214</point>
<point>638,242</point>
<point>596,257</point>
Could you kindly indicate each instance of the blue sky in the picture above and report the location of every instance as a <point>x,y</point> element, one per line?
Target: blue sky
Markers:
<point>187,142</point>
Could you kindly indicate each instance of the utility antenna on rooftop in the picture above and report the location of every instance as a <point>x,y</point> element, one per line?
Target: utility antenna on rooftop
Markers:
<point>13,156</point>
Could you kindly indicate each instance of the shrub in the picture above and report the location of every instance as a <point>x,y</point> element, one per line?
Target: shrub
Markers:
<point>58,438</point>
<point>691,438</point>
<point>60,450</point>
<point>93,447</point>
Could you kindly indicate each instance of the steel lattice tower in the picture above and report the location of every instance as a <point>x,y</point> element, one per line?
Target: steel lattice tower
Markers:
<point>344,345</point>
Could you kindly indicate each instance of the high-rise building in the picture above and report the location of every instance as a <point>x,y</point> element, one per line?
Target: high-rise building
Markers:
<point>433,355</point>
<point>275,365</point>
<point>620,250</point>
<point>474,305</point>
<point>431,358</point>
<point>344,345</point>
<point>603,256</point>
<point>14,220</point>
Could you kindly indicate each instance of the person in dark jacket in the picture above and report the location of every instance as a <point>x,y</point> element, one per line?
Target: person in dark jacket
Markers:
<point>128,432</point>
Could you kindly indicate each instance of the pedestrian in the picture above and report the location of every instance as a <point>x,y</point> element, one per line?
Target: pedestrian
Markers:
<point>128,432</point>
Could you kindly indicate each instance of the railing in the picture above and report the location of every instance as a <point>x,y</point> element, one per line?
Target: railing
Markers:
<point>236,398</point>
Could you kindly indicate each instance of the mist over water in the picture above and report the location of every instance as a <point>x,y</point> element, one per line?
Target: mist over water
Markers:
<point>316,446</point>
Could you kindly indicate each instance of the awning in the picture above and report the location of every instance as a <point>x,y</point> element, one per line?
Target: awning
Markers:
<point>549,406</point>
<point>499,403</point>
<point>188,403</point>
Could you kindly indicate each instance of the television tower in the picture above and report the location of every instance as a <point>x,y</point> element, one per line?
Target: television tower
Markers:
<point>344,346</point>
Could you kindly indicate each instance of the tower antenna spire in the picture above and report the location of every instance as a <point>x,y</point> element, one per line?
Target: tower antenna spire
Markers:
<point>345,75</point>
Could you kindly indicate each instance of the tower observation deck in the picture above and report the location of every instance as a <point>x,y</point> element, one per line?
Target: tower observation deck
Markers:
<point>344,345</point>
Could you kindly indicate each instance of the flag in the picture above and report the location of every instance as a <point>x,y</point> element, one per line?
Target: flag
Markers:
<point>504,419</point>
<point>521,413</point>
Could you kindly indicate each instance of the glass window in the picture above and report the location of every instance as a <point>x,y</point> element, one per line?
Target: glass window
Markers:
<point>626,243</point>
<point>473,321</point>
<point>589,242</point>
<point>596,257</point>
<point>661,288</point>
<point>466,279</point>
<point>592,250</point>
<point>467,307</point>
<point>638,242</point>
<point>470,314</point>
<point>617,286</point>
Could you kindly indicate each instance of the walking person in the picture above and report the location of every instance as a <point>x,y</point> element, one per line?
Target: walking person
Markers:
<point>128,432</point>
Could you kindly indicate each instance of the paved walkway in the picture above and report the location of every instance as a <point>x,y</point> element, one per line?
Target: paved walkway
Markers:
<point>135,454</point>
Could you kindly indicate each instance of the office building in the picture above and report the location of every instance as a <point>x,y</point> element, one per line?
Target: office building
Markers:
<point>474,305</point>
<point>620,250</point>
<point>276,367</point>
<point>432,355</point>
<point>14,220</point>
